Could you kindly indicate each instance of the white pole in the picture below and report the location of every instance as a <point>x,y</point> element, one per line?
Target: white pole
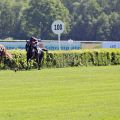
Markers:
<point>59,41</point>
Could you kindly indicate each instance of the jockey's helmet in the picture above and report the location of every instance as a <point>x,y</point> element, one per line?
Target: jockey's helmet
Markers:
<point>33,39</point>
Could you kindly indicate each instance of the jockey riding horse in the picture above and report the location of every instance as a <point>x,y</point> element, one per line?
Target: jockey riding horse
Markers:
<point>34,51</point>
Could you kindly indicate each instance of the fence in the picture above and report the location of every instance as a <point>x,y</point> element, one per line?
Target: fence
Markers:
<point>65,45</point>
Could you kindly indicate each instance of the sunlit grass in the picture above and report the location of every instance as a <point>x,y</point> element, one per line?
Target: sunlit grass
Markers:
<point>84,93</point>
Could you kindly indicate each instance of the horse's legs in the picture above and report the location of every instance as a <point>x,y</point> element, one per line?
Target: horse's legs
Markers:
<point>39,58</point>
<point>28,60</point>
<point>38,62</point>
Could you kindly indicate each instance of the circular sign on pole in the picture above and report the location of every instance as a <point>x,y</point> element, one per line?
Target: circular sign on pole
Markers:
<point>58,27</point>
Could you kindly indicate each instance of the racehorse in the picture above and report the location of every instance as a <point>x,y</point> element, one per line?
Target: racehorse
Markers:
<point>34,54</point>
<point>4,53</point>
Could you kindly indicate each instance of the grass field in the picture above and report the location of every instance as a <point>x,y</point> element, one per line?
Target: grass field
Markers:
<point>84,93</point>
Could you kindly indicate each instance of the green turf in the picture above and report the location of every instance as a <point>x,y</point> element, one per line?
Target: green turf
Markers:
<point>85,93</point>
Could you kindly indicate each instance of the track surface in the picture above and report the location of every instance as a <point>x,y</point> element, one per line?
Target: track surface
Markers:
<point>84,93</point>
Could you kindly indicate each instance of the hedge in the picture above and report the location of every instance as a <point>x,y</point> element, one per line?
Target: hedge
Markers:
<point>59,59</point>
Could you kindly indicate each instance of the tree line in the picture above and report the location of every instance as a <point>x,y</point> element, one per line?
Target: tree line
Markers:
<point>84,19</point>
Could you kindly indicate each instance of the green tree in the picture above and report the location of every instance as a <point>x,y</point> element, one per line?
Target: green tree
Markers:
<point>40,15</point>
<point>6,21</point>
<point>114,19</point>
<point>10,18</point>
<point>109,6</point>
<point>86,17</point>
<point>102,31</point>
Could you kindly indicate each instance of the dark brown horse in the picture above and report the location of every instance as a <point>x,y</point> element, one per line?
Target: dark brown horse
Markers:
<point>34,53</point>
<point>4,53</point>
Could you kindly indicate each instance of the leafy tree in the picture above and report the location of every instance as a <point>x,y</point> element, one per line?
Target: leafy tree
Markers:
<point>109,6</point>
<point>10,18</point>
<point>6,21</point>
<point>102,28</point>
<point>114,19</point>
<point>40,15</point>
<point>86,18</point>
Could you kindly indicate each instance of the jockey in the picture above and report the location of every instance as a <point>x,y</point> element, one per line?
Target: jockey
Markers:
<point>34,42</point>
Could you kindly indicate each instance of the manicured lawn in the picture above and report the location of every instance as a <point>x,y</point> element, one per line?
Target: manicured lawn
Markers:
<point>84,93</point>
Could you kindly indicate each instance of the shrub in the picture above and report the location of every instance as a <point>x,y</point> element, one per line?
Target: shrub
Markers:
<point>58,59</point>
